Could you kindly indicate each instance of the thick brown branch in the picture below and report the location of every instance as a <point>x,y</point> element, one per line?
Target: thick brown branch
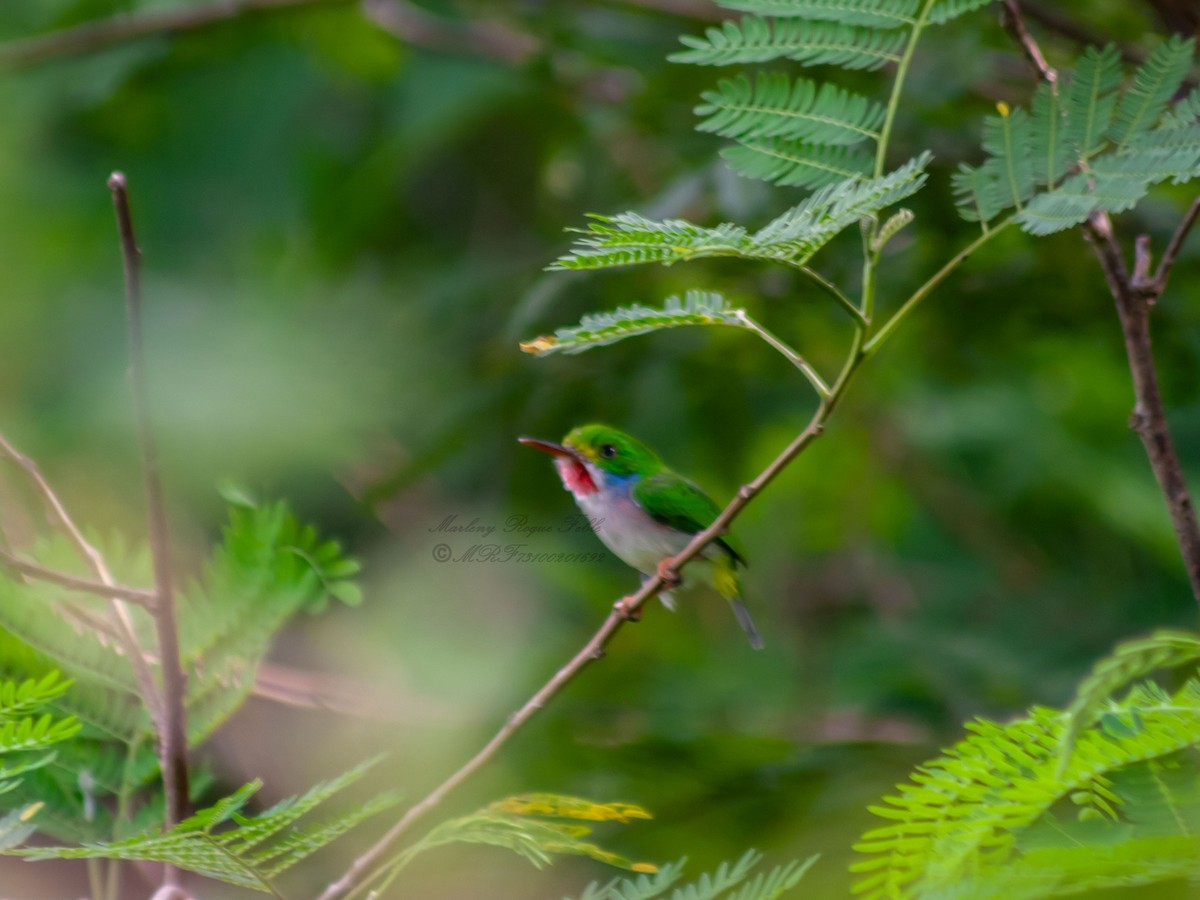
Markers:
<point>91,37</point>
<point>172,733</point>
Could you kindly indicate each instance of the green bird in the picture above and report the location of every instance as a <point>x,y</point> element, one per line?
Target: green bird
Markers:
<point>644,512</point>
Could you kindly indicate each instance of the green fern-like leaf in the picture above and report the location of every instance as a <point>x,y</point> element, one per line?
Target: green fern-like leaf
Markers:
<point>803,230</point>
<point>947,10</point>
<point>537,827</point>
<point>233,854</point>
<point>731,881</point>
<point>1091,97</point>
<point>1092,149</point>
<point>775,106</point>
<point>1154,84</point>
<point>966,814</point>
<point>1128,662</point>
<point>755,40</point>
<point>797,164</point>
<point>600,329</point>
<point>792,238</point>
<point>873,13</point>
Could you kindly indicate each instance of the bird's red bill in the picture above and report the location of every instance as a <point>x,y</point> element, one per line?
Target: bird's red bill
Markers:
<point>575,476</point>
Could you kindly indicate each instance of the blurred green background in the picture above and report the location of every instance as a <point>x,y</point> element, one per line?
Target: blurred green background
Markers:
<point>344,233</point>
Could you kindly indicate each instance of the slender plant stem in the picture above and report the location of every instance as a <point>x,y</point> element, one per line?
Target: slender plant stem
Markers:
<point>814,377</point>
<point>73,582</point>
<point>172,734</point>
<point>885,133</point>
<point>934,280</point>
<point>835,292</point>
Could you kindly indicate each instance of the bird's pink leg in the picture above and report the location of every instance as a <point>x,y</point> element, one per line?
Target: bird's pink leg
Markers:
<point>667,573</point>
<point>626,610</point>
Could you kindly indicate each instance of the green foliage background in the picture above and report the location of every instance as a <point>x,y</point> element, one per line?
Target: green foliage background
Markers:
<point>344,241</point>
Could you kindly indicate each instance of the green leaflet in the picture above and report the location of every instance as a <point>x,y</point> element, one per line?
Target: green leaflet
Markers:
<point>600,329</point>
<point>735,877</point>
<point>755,39</point>
<point>792,238</point>
<point>222,843</point>
<point>776,106</point>
<point>983,808</point>
<point>1089,147</point>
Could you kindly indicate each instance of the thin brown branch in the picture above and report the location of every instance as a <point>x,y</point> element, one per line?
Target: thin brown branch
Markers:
<point>123,620</point>
<point>1014,23</point>
<point>1163,273</point>
<point>39,572</point>
<point>172,733</point>
<point>1135,295</point>
<point>91,37</point>
<point>1149,418</point>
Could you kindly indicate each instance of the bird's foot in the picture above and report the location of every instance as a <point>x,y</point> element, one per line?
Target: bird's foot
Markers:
<point>666,572</point>
<point>627,610</point>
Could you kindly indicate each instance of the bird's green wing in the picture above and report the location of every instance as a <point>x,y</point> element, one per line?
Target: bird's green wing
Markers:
<point>677,503</point>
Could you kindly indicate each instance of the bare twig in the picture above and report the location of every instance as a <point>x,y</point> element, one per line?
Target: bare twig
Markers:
<point>91,37</point>
<point>123,628</point>
<point>172,732</point>
<point>39,572</point>
<point>1135,295</point>
<point>1163,273</point>
<point>1015,25</point>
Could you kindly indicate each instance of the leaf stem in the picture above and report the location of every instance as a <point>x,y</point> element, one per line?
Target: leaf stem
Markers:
<point>814,377</point>
<point>934,280</point>
<point>885,134</point>
<point>833,291</point>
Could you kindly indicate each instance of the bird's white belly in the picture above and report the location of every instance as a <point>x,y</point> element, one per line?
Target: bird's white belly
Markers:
<point>629,532</point>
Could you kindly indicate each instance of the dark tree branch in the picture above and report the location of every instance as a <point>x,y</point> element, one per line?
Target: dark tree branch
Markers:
<point>1135,295</point>
<point>172,733</point>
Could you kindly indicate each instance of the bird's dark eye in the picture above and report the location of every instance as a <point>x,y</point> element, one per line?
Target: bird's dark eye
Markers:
<point>608,451</point>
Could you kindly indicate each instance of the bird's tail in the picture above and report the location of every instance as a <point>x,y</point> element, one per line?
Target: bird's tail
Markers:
<point>747,623</point>
<point>727,583</point>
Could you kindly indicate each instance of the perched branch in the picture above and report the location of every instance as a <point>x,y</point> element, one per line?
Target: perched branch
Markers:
<point>172,733</point>
<point>1135,295</point>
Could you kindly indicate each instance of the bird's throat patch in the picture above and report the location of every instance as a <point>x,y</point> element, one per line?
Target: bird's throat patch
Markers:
<point>575,476</point>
